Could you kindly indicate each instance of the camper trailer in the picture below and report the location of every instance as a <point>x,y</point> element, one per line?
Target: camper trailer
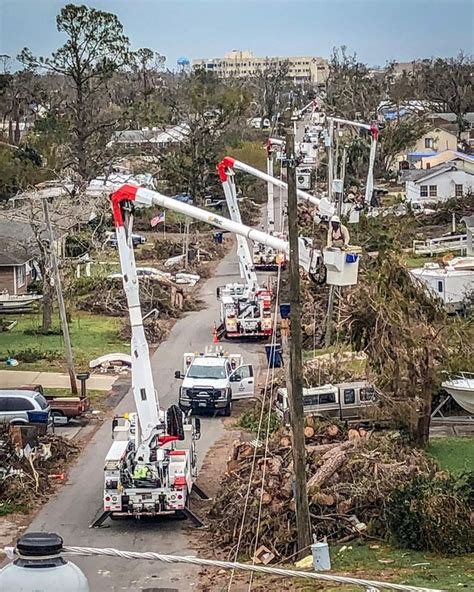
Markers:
<point>346,401</point>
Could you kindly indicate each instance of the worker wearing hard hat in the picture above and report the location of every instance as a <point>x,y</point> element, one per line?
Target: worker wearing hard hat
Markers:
<point>338,235</point>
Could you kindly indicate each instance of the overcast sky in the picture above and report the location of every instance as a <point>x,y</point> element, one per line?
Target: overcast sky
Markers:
<point>378,30</point>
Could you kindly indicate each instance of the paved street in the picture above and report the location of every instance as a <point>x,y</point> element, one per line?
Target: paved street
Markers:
<point>14,378</point>
<point>71,511</point>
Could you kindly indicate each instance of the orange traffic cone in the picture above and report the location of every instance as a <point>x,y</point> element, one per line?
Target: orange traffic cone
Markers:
<point>215,338</point>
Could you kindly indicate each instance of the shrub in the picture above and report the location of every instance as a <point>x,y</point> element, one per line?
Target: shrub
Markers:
<point>30,355</point>
<point>432,513</point>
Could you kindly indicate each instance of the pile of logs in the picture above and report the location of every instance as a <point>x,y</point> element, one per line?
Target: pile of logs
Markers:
<point>349,475</point>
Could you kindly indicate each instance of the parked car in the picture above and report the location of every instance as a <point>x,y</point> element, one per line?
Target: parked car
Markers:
<point>68,407</point>
<point>259,123</point>
<point>137,239</point>
<point>21,407</point>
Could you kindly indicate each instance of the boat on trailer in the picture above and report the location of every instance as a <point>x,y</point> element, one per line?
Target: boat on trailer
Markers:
<point>12,301</point>
<point>461,389</point>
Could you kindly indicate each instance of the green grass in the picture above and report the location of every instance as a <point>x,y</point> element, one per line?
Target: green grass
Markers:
<point>412,262</point>
<point>379,561</point>
<point>91,336</point>
<point>12,508</point>
<point>453,454</point>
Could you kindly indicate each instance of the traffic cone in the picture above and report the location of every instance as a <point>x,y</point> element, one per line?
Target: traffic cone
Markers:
<point>215,338</point>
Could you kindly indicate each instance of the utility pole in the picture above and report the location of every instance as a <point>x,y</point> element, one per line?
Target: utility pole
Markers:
<point>59,294</point>
<point>330,169</point>
<point>270,200</point>
<point>295,373</point>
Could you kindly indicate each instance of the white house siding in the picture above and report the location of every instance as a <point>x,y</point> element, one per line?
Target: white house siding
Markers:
<point>445,183</point>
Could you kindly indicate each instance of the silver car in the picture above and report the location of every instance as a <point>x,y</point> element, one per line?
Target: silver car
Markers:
<point>19,407</point>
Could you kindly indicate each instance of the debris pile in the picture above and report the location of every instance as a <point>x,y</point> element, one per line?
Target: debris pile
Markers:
<point>29,472</point>
<point>108,298</point>
<point>350,475</point>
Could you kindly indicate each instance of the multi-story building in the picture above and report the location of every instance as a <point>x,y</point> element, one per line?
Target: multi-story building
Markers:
<point>243,64</point>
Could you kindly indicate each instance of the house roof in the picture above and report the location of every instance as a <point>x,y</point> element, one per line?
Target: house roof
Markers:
<point>13,253</point>
<point>451,117</point>
<point>435,171</point>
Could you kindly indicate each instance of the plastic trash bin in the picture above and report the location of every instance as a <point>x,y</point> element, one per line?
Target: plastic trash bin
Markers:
<point>285,310</point>
<point>351,258</point>
<point>274,355</point>
<point>218,238</point>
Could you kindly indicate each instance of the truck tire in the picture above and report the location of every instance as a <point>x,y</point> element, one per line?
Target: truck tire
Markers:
<point>227,411</point>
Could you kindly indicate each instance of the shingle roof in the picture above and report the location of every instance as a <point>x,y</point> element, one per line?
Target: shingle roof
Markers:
<point>13,253</point>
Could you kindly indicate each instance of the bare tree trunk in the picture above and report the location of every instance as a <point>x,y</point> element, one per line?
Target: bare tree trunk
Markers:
<point>47,305</point>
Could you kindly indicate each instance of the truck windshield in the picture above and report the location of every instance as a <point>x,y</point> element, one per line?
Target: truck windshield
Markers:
<point>197,371</point>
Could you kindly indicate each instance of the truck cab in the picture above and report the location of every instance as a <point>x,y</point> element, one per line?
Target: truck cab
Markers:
<point>212,380</point>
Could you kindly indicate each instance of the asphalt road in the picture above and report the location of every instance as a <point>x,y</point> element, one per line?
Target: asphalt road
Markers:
<point>70,512</point>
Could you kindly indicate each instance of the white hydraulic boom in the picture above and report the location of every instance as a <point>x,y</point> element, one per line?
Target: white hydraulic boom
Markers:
<point>324,207</point>
<point>247,269</point>
<point>374,132</point>
<point>146,197</point>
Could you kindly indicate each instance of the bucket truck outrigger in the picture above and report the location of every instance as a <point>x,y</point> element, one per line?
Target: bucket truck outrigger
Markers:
<point>151,466</point>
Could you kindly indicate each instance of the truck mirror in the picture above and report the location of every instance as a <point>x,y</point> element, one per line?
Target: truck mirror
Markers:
<point>235,378</point>
<point>197,428</point>
<point>178,374</point>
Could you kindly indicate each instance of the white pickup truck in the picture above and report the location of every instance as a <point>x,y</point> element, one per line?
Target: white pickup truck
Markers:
<point>212,380</point>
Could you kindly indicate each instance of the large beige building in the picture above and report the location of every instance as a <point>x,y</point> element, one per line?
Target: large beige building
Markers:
<point>243,64</point>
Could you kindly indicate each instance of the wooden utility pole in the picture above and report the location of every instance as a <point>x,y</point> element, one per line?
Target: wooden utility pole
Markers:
<point>59,294</point>
<point>295,373</point>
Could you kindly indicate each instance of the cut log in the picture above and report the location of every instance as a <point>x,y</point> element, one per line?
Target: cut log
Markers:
<point>344,506</point>
<point>232,465</point>
<point>353,434</point>
<point>363,433</point>
<point>275,465</point>
<point>308,432</point>
<point>245,451</point>
<point>285,442</point>
<point>337,448</point>
<point>320,448</point>
<point>332,431</point>
<point>327,469</point>
<point>322,499</point>
<point>266,498</point>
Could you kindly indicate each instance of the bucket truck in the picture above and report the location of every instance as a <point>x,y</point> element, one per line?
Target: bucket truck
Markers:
<point>245,307</point>
<point>151,466</point>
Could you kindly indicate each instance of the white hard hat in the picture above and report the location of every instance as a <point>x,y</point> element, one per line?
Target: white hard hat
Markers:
<point>335,219</point>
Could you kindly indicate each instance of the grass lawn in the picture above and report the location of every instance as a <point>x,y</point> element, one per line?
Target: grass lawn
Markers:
<point>384,563</point>
<point>453,454</point>
<point>91,336</point>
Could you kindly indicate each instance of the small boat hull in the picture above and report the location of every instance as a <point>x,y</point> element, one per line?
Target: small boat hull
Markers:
<point>462,391</point>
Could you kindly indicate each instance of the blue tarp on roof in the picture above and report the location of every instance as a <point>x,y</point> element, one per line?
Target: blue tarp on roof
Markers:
<point>421,154</point>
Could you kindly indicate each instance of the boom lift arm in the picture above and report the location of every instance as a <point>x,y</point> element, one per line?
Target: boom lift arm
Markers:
<point>374,132</point>
<point>228,163</point>
<point>146,197</point>
<point>144,393</point>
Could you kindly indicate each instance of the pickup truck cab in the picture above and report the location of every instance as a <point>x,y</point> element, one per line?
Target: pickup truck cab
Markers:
<point>212,380</point>
<point>348,401</point>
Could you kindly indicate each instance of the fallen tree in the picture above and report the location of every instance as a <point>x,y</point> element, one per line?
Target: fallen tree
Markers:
<point>350,476</point>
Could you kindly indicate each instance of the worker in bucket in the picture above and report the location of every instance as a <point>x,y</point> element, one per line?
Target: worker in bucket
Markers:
<point>338,235</point>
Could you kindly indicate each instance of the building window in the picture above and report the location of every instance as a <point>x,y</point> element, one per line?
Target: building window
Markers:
<point>433,190</point>
<point>458,192</point>
<point>429,142</point>
<point>20,276</point>
<point>440,286</point>
<point>424,191</point>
